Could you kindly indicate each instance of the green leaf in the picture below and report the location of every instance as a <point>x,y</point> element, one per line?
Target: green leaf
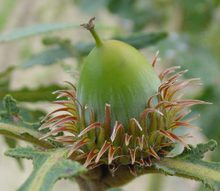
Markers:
<point>36,30</point>
<point>7,8</point>
<point>39,29</point>
<point>143,40</point>
<point>211,116</point>
<point>88,7</point>
<point>7,72</point>
<point>115,189</point>
<point>54,55</point>
<point>47,57</point>
<point>190,165</point>
<point>49,166</point>
<point>11,143</point>
<point>122,7</point>
<point>10,105</point>
<point>5,78</point>
<point>32,95</point>
<point>196,18</point>
<point>23,133</point>
<point>11,113</point>
<point>189,53</point>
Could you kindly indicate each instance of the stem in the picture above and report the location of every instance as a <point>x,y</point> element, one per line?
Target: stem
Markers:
<point>88,185</point>
<point>91,27</point>
<point>156,182</point>
<point>101,178</point>
<point>91,180</point>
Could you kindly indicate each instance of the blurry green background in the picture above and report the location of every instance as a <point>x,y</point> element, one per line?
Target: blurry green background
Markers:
<point>186,32</point>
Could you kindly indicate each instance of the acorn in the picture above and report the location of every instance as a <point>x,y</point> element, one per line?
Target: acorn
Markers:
<point>122,112</point>
<point>116,73</point>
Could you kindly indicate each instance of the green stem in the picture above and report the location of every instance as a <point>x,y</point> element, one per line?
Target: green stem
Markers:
<point>192,170</point>
<point>96,37</point>
<point>102,179</point>
<point>91,27</point>
<point>155,183</point>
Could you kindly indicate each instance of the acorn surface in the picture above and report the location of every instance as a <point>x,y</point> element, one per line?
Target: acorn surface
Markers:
<point>116,73</point>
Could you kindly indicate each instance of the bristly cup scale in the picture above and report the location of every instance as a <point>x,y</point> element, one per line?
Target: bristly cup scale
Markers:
<point>122,114</point>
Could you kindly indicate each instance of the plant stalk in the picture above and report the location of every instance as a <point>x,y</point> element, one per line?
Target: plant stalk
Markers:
<point>101,178</point>
<point>91,27</point>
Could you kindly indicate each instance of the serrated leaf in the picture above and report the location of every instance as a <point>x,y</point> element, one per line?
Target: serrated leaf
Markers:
<point>9,111</point>
<point>10,105</point>
<point>36,30</point>
<point>49,166</point>
<point>190,165</point>
<point>23,133</point>
<point>54,55</point>
<point>10,114</point>
<point>11,143</point>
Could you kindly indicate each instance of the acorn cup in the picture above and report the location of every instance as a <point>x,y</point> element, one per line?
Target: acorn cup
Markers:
<point>122,112</point>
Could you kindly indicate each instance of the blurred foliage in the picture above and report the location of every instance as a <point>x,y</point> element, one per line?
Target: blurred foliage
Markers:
<point>197,15</point>
<point>36,30</point>
<point>64,49</point>
<point>139,12</point>
<point>5,11</point>
<point>43,93</point>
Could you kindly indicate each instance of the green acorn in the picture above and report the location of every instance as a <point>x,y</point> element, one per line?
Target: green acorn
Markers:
<point>116,73</point>
<point>122,112</point>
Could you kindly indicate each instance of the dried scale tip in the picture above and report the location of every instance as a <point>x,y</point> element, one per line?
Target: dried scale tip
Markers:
<point>90,26</point>
<point>145,139</point>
